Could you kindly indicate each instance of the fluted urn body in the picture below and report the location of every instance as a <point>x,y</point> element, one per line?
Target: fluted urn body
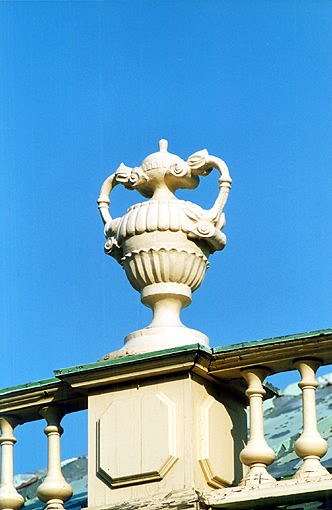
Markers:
<point>156,248</point>
<point>163,244</point>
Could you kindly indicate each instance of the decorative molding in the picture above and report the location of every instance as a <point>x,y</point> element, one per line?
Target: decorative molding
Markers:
<point>118,461</point>
<point>212,479</point>
<point>210,444</point>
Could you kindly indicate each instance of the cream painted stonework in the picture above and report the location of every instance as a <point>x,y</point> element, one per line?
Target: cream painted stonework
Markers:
<point>162,435</point>
<point>132,421</point>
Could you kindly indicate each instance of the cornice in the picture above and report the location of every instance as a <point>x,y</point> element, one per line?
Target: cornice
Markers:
<point>70,386</point>
<point>277,354</point>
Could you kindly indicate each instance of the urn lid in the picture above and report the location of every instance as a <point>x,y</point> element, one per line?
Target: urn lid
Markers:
<point>161,158</point>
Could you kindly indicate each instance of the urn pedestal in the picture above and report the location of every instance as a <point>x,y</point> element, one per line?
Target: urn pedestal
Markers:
<point>161,428</point>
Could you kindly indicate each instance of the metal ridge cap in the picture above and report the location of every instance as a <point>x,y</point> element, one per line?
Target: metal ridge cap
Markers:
<point>57,381</point>
<point>270,341</point>
<point>34,385</point>
<point>129,360</point>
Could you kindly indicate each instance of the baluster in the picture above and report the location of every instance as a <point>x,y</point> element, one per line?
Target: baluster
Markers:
<point>256,454</point>
<point>310,446</point>
<point>54,490</point>
<point>10,499</point>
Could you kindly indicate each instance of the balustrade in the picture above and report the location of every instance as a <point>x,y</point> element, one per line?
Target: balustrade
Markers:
<point>256,454</point>
<point>10,499</point>
<point>54,490</point>
<point>310,446</point>
<point>62,395</point>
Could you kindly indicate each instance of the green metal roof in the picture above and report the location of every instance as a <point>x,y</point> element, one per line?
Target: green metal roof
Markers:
<point>273,340</point>
<point>132,359</point>
<point>43,383</point>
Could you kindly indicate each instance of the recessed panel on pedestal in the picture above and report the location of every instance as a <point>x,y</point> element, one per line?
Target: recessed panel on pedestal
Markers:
<point>136,440</point>
<point>215,443</point>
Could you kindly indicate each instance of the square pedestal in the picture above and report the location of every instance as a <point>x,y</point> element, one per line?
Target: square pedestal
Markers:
<point>163,434</point>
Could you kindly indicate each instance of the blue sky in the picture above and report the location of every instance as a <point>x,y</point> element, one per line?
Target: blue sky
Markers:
<point>88,84</point>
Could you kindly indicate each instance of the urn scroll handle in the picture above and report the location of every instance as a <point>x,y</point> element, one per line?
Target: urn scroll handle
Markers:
<point>103,199</point>
<point>201,163</point>
<point>121,176</point>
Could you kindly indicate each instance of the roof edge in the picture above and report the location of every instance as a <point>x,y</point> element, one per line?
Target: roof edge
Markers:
<point>272,340</point>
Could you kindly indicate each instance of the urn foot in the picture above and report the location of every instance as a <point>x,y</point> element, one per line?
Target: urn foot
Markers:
<point>157,339</point>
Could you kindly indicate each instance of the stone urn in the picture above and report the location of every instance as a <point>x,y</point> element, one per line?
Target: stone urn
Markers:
<point>164,243</point>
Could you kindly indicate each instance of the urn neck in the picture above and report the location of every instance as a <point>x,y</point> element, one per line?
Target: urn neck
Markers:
<point>162,192</point>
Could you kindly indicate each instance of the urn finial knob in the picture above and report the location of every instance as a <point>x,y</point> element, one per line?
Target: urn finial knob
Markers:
<point>163,144</point>
<point>164,244</point>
